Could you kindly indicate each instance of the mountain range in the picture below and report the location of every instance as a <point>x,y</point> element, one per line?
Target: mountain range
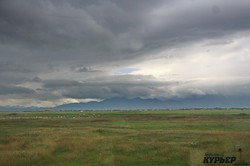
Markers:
<point>207,101</point>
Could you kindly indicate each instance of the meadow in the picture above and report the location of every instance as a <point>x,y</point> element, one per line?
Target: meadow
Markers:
<point>122,138</point>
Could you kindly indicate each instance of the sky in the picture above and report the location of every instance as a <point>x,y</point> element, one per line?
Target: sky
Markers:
<point>54,52</point>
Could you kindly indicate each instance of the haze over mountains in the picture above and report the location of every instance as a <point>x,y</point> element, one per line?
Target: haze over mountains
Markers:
<point>146,104</point>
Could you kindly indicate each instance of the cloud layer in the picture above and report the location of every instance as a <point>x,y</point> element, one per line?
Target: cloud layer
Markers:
<point>54,52</point>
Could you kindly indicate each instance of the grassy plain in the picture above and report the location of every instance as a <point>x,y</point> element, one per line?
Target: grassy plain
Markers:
<point>117,138</point>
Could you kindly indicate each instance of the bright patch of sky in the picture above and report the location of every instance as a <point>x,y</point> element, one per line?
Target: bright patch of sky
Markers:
<point>124,71</point>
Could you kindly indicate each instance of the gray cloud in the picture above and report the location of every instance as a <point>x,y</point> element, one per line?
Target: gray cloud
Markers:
<point>6,90</point>
<point>55,49</point>
<point>80,68</point>
<point>107,87</point>
<point>106,30</point>
<point>60,83</point>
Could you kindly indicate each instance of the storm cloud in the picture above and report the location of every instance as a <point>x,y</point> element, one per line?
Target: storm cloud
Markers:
<point>59,51</point>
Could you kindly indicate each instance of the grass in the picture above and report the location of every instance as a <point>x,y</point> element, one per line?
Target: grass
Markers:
<point>112,138</point>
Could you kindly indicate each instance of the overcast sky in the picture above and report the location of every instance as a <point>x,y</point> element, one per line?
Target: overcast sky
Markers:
<point>62,51</point>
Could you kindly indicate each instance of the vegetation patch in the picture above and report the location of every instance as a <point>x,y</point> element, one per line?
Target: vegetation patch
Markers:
<point>150,138</point>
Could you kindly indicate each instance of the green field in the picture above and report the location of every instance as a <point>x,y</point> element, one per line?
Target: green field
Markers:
<point>116,138</point>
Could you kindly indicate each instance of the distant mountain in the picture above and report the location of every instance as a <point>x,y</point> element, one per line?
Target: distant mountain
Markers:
<point>206,101</point>
<point>117,104</point>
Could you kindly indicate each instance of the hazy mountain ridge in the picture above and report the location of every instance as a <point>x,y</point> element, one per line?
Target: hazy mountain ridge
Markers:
<point>208,101</point>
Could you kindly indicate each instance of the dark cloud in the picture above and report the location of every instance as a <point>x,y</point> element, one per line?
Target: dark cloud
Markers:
<point>36,79</point>
<point>6,90</point>
<point>80,68</point>
<point>132,86</point>
<point>12,67</point>
<point>107,87</point>
<point>61,83</point>
<point>69,49</point>
<point>12,73</point>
